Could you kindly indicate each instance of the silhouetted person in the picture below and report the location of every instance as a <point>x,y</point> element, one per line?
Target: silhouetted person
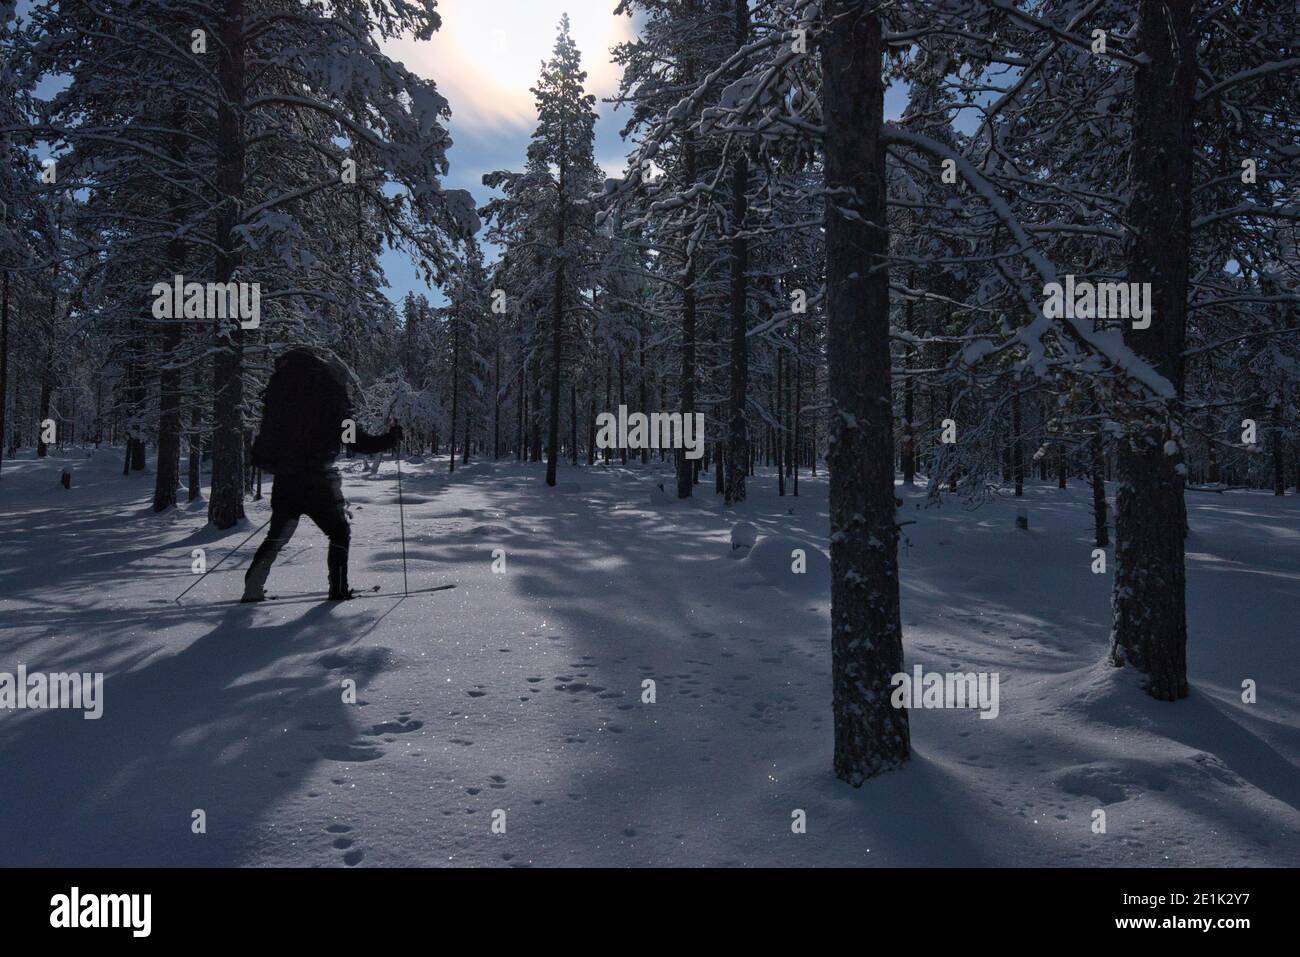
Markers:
<point>307,409</point>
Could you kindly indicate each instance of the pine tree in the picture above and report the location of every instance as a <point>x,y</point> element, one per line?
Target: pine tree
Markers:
<point>557,186</point>
<point>871,735</point>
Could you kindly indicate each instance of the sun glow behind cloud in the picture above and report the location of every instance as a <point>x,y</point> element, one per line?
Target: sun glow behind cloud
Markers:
<point>488,53</point>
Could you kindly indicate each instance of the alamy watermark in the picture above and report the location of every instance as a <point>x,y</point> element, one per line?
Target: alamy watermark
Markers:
<point>933,689</point>
<point>658,430</point>
<point>66,690</point>
<point>75,909</point>
<point>214,300</point>
<point>1103,300</point>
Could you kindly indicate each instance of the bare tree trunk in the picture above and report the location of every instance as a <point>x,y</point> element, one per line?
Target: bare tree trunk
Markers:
<point>609,378</point>
<point>167,477</point>
<point>798,403</point>
<point>738,451</point>
<point>1279,469</point>
<point>4,363</point>
<point>1017,446</point>
<point>573,422</point>
<point>47,366</point>
<point>1099,491</point>
<point>557,328</point>
<point>496,406</point>
<point>521,405</point>
<point>226,503</point>
<point>685,467</point>
<point>455,392</point>
<point>643,385</point>
<point>622,400</point>
<point>534,409</point>
<point>871,735</point>
<point>1150,623</point>
<point>909,438</point>
<point>194,476</point>
<point>777,439</point>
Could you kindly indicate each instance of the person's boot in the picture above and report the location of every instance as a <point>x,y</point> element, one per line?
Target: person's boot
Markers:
<point>339,590</point>
<point>254,586</point>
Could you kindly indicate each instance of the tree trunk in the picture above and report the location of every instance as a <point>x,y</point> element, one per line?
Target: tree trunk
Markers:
<point>1017,446</point>
<point>1099,491</point>
<point>909,439</point>
<point>1150,621</point>
<point>533,423</point>
<point>455,391</point>
<point>609,380</point>
<point>194,476</point>
<point>4,362</point>
<point>777,438</point>
<point>226,503</point>
<point>557,329</point>
<point>573,422</point>
<point>521,403</point>
<point>622,400</point>
<point>47,366</point>
<point>1279,468</point>
<point>686,467</point>
<point>738,452</point>
<point>871,735</point>
<point>167,477</point>
<point>796,447</point>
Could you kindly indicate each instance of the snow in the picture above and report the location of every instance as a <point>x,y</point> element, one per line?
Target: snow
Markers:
<point>744,535</point>
<point>523,690</point>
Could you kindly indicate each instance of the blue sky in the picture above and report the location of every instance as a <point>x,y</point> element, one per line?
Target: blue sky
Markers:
<point>484,59</point>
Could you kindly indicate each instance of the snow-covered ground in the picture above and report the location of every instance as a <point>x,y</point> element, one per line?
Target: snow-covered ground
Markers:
<point>522,691</point>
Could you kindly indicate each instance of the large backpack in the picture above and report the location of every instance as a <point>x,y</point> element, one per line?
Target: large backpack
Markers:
<point>303,409</point>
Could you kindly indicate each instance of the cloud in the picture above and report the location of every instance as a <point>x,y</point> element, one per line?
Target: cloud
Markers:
<point>488,53</point>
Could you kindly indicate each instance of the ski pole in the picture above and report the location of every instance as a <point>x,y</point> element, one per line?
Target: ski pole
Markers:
<point>178,598</point>
<point>401,513</point>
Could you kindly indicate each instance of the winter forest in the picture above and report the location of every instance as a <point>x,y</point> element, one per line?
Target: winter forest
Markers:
<point>819,432</point>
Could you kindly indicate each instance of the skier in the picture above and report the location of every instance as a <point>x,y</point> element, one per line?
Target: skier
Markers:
<point>306,417</point>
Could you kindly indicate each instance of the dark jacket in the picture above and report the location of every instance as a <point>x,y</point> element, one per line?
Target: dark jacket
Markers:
<point>305,405</point>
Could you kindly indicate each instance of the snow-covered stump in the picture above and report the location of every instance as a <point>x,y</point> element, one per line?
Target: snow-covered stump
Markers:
<point>743,538</point>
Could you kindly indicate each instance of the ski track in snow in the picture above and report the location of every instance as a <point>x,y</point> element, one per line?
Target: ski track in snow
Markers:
<point>522,692</point>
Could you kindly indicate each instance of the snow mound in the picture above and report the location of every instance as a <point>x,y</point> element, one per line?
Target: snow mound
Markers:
<point>791,564</point>
<point>744,535</point>
<point>485,530</point>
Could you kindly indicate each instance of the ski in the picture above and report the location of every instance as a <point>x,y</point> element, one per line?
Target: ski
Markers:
<point>295,597</point>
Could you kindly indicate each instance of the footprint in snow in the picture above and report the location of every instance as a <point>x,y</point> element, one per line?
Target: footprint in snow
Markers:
<point>350,753</point>
<point>400,726</point>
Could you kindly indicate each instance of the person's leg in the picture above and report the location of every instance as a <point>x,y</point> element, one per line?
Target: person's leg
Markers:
<point>286,506</point>
<point>282,528</point>
<point>328,510</point>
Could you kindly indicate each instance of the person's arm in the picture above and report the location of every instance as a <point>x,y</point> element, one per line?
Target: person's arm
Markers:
<point>368,444</point>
